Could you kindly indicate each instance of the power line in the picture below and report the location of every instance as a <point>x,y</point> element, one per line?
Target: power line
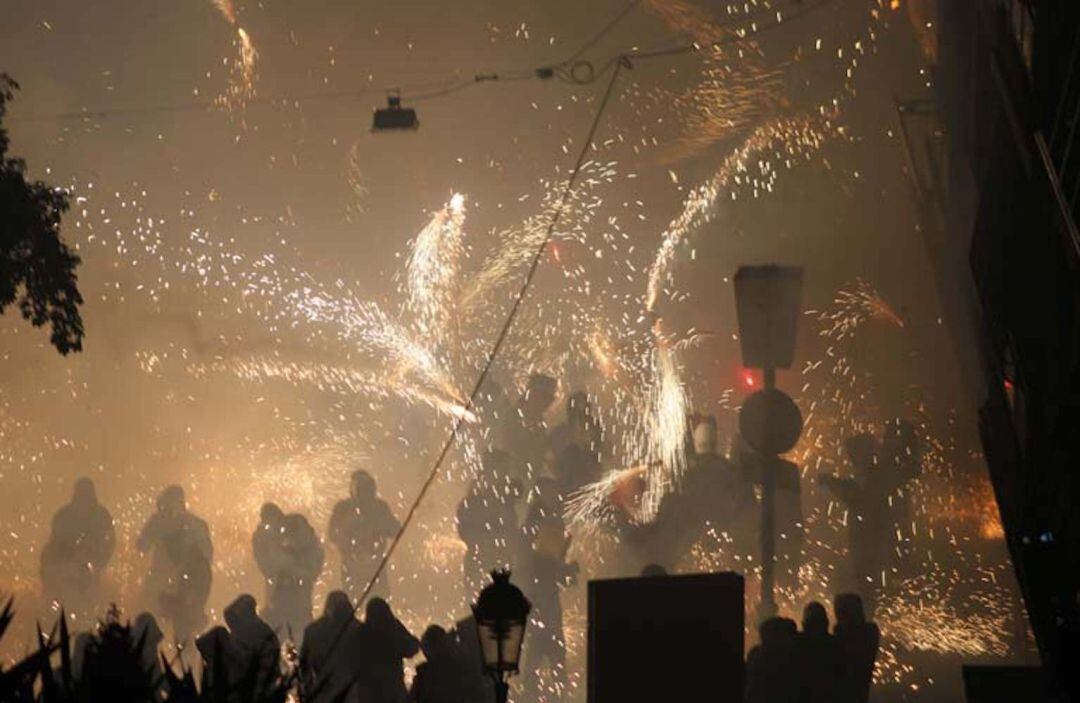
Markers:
<point>570,70</point>
<point>603,32</point>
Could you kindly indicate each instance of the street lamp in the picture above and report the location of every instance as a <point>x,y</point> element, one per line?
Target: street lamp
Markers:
<point>501,612</point>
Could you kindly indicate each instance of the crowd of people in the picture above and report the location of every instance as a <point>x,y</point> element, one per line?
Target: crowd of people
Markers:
<point>342,658</point>
<point>814,665</point>
<point>512,515</point>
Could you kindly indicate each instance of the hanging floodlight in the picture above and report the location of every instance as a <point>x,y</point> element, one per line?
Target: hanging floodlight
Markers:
<point>394,116</point>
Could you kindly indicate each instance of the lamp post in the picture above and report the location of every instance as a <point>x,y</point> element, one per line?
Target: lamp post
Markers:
<point>767,306</point>
<point>501,612</point>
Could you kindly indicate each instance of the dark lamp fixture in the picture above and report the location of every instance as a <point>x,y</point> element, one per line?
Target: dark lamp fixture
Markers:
<point>394,116</point>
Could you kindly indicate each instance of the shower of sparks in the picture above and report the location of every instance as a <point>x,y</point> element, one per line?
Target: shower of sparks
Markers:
<point>517,245</point>
<point>665,426</point>
<point>242,71</point>
<point>334,379</point>
<point>854,306</point>
<point>734,88</point>
<point>433,270</point>
<point>788,140</point>
<point>593,505</point>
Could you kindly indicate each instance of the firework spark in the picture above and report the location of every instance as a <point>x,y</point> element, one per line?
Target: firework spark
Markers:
<point>242,70</point>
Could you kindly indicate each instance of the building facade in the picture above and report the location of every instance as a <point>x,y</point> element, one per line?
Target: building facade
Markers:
<point>994,157</point>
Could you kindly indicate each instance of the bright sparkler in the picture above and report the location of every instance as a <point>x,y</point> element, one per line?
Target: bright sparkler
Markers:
<point>434,269</point>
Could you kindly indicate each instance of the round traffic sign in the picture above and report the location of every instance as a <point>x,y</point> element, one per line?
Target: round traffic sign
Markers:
<point>770,422</point>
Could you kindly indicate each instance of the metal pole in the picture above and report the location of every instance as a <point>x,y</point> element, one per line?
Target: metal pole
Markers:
<point>502,690</point>
<point>768,523</point>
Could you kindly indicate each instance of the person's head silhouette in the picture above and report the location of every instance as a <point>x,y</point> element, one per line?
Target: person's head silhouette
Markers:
<point>776,632</point>
<point>362,487</point>
<point>434,643</point>
<point>862,452</point>
<point>378,612</point>
<point>578,410</point>
<point>241,612</point>
<point>848,608</point>
<point>653,570</point>
<point>83,495</point>
<point>338,606</point>
<point>539,395</point>
<point>172,500</point>
<point>214,645</point>
<point>705,436</point>
<point>815,621</point>
<point>271,515</point>
<point>146,627</point>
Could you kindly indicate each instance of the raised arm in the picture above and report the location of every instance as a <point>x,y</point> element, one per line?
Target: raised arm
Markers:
<point>845,489</point>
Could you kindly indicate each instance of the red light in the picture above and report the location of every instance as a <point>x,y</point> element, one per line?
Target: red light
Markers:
<point>748,379</point>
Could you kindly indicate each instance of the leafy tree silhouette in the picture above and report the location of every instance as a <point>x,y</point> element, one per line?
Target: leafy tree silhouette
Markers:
<point>37,270</point>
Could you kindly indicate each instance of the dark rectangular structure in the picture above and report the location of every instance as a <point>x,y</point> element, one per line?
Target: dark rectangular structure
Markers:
<point>1004,684</point>
<point>666,638</point>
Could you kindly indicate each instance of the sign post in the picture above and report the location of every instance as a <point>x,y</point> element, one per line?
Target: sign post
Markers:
<point>767,306</point>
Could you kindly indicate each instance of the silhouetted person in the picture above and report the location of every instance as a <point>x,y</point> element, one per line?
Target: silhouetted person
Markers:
<point>819,660</point>
<point>266,545</point>
<point>545,572</point>
<point>222,662</point>
<point>441,678</point>
<point>710,496</point>
<point>300,565</point>
<point>858,642</point>
<point>494,410</point>
<point>177,585</point>
<point>901,456</point>
<point>524,436</point>
<point>771,665</point>
<point>80,545</point>
<point>477,685</point>
<point>258,646</point>
<point>576,445</point>
<point>326,669</point>
<point>382,645</point>
<point>147,632</point>
<point>487,522</point>
<point>360,527</point>
<point>866,498</point>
